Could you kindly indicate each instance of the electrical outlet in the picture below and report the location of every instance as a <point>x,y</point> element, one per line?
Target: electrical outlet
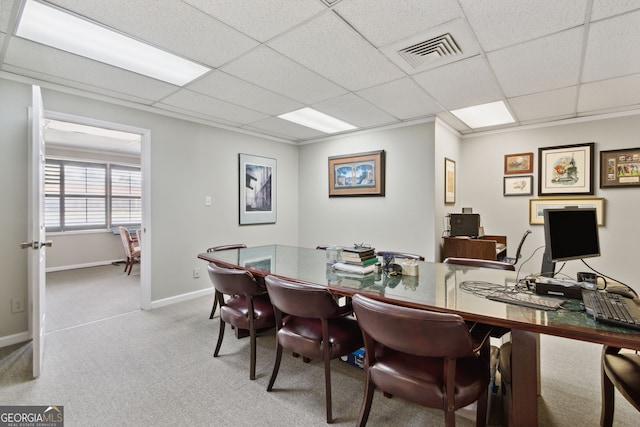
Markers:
<point>196,273</point>
<point>17,305</point>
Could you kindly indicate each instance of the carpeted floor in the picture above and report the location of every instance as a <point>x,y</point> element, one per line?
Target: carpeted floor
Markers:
<point>155,368</point>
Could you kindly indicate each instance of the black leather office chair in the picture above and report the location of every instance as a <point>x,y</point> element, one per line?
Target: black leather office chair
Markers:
<point>515,259</point>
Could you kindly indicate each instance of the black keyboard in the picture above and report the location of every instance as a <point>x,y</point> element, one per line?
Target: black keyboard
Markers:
<point>612,308</point>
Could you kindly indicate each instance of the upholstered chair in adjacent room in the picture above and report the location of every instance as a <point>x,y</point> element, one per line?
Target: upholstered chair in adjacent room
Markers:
<point>222,248</point>
<point>428,358</point>
<point>310,323</point>
<point>131,251</point>
<point>248,306</point>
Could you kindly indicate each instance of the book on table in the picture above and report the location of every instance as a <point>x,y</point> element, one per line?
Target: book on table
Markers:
<point>368,261</point>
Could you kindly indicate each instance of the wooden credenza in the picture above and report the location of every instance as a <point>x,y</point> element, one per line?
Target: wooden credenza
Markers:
<point>486,247</point>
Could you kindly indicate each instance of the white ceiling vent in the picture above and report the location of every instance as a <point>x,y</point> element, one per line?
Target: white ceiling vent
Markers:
<point>430,50</point>
<point>440,45</point>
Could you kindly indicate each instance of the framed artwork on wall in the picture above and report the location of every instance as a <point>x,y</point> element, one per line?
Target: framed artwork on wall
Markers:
<point>537,207</point>
<point>518,185</point>
<point>518,163</point>
<point>620,168</point>
<point>257,190</point>
<point>565,170</point>
<point>449,181</point>
<point>360,174</point>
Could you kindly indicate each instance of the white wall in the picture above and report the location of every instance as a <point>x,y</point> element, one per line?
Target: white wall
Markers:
<point>447,146</point>
<point>400,221</point>
<point>481,170</point>
<point>189,161</point>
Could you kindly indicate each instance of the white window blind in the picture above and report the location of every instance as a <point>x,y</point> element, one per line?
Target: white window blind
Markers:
<point>82,196</point>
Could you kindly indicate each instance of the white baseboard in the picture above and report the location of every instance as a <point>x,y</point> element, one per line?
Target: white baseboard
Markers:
<point>180,298</point>
<point>75,266</point>
<point>14,339</point>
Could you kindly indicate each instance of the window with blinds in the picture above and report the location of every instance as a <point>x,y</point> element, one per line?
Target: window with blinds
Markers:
<point>86,196</point>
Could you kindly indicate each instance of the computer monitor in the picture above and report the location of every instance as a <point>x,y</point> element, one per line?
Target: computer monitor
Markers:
<point>569,233</point>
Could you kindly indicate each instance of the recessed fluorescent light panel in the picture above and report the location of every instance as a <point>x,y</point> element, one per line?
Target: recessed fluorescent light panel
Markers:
<point>53,27</point>
<point>316,120</point>
<point>479,116</point>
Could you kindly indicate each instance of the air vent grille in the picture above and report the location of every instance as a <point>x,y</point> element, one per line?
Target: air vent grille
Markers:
<point>430,50</point>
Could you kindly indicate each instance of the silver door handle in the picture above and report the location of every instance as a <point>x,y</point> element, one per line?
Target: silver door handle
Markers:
<point>36,245</point>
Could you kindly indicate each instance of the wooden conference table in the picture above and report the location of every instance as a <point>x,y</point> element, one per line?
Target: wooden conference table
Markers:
<point>439,287</point>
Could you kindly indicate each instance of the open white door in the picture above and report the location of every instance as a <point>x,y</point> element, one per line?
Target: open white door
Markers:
<point>35,243</point>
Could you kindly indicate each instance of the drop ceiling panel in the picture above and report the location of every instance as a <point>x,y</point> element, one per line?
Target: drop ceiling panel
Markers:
<point>331,48</point>
<point>231,89</point>
<point>261,20</point>
<point>355,110</point>
<point>402,98</point>
<point>540,65</point>
<point>612,49</point>
<point>284,128</point>
<point>473,79</point>
<point>171,25</point>
<point>606,8</point>
<point>271,70</point>
<point>383,25</point>
<point>71,70</point>
<point>500,23</point>
<point>543,105</point>
<point>215,108</point>
<point>610,94</point>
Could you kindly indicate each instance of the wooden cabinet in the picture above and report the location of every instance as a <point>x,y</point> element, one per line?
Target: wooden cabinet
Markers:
<point>486,247</point>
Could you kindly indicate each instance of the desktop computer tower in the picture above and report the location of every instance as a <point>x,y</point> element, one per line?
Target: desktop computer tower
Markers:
<point>465,224</point>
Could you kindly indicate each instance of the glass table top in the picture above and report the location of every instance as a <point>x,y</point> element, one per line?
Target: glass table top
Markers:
<point>437,286</point>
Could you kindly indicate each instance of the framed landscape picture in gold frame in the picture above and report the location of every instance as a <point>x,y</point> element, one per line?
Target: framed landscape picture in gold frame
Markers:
<point>449,181</point>
<point>537,207</point>
<point>359,174</point>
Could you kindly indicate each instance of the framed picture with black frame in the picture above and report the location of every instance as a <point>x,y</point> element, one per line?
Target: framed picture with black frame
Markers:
<point>257,190</point>
<point>566,170</point>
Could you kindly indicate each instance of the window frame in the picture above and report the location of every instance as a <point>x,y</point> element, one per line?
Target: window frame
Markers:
<point>62,196</point>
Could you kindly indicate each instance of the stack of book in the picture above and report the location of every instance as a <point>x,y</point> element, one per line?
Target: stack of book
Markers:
<point>359,256</point>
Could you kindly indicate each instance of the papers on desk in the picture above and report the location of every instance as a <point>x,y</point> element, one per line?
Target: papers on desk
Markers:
<point>352,268</point>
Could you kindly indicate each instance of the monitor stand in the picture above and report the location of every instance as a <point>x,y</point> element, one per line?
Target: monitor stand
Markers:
<point>548,268</point>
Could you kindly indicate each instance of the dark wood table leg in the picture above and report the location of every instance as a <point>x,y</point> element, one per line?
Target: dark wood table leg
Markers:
<point>525,375</point>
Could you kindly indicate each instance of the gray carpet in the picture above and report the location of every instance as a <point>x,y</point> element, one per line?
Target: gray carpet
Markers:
<point>145,368</point>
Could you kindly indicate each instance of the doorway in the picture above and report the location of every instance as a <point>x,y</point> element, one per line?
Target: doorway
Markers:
<point>89,290</point>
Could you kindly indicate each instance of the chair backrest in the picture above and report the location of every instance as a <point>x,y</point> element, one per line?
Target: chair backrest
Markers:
<point>139,235</point>
<point>233,282</point>
<point>517,256</point>
<point>413,331</point>
<point>126,240</point>
<point>226,247</point>
<point>404,255</point>
<point>301,300</point>
<point>485,263</point>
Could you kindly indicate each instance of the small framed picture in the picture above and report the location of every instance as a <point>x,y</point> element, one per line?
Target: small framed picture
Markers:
<point>620,168</point>
<point>566,170</point>
<point>518,185</point>
<point>449,181</point>
<point>257,190</point>
<point>518,163</point>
